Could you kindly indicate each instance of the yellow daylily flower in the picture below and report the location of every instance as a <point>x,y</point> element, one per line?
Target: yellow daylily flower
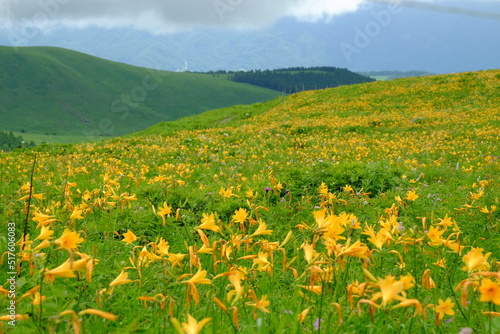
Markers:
<point>45,233</point>
<point>69,240</point>
<point>411,195</point>
<point>42,219</point>
<point>444,307</point>
<point>240,216</point>
<point>317,289</point>
<point>64,270</point>
<point>121,279</point>
<point>164,211</point>
<point>76,214</point>
<point>102,314</point>
<point>162,247</point>
<point>261,230</point>
<point>302,315</point>
<point>475,260</point>
<point>208,223</point>
<point>198,278</point>
<point>192,326</point>
<point>490,291</point>
<point>260,304</point>
<point>129,237</point>
<point>390,289</point>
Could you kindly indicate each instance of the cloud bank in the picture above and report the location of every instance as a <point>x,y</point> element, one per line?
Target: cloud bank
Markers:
<point>163,16</point>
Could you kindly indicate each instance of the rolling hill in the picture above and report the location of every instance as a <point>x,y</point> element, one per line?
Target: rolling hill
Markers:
<point>362,208</point>
<point>395,106</point>
<point>55,91</point>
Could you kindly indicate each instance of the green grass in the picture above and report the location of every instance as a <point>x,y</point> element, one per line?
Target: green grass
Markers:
<point>218,118</point>
<point>55,91</point>
<point>360,209</point>
<point>50,139</point>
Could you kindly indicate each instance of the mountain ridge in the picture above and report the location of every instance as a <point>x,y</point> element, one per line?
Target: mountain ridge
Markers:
<point>409,39</point>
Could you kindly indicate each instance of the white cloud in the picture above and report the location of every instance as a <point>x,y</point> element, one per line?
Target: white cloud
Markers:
<point>159,16</point>
<point>317,10</point>
<point>163,16</point>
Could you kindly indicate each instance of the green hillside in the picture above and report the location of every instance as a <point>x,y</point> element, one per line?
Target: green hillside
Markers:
<point>377,104</point>
<point>370,208</point>
<point>56,91</point>
<point>217,118</point>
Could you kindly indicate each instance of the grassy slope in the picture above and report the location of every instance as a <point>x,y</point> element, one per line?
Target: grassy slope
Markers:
<point>50,139</point>
<point>376,107</point>
<point>217,118</point>
<point>58,91</point>
<point>436,136</point>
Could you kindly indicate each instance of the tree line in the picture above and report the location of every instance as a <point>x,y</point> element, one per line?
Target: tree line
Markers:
<point>9,142</point>
<point>296,79</point>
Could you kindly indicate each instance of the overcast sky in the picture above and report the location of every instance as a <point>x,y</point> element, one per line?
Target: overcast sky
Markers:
<point>167,15</point>
<point>163,16</point>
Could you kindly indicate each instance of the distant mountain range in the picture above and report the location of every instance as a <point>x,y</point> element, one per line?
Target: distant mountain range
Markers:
<point>375,38</point>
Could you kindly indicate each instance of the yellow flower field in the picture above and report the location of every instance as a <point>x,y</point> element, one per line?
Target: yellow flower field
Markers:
<point>369,208</point>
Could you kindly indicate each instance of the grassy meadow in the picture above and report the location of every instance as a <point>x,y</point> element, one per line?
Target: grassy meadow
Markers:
<point>369,208</point>
<point>50,139</point>
<point>57,92</point>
